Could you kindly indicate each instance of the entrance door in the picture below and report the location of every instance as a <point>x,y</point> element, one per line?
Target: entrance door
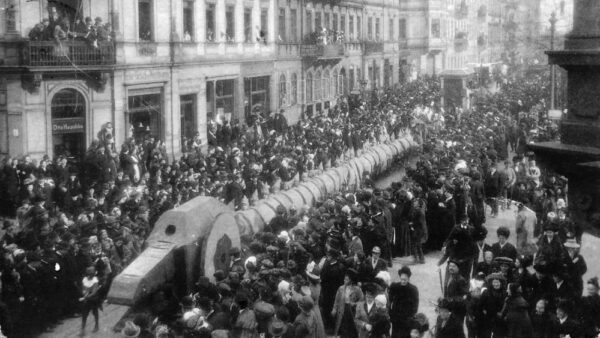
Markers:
<point>187,104</point>
<point>68,111</point>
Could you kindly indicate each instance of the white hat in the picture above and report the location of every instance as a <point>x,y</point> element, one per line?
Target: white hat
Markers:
<point>381,299</point>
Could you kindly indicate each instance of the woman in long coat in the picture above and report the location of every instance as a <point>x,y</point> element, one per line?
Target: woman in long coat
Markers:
<point>518,323</point>
<point>343,307</point>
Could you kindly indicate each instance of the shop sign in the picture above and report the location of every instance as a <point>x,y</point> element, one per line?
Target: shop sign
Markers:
<point>68,125</point>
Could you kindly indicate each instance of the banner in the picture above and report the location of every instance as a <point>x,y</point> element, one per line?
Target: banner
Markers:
<point>68,125</point>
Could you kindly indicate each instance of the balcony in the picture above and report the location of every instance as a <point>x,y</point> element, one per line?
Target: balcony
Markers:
<point>68,54</point>
<point>371,47</point>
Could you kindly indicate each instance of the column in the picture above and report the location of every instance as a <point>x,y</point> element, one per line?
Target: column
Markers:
<point>239,21</point>
<point>271,15</point>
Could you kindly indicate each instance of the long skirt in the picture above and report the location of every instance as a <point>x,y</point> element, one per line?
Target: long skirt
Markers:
<point>347,326</point>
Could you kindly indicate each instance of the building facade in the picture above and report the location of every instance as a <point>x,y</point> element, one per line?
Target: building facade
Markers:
<point>170,68</point>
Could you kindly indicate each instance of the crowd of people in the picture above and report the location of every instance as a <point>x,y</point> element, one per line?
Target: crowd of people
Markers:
<point>326,269</point>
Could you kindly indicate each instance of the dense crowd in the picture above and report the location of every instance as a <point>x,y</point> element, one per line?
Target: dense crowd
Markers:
<point>323,270</point>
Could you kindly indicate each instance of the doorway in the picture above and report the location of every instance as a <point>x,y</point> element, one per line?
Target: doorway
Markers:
<point>68,111</point>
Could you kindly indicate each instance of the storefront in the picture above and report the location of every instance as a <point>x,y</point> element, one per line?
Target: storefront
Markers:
<point>220,99</point>
<point>68,111</point>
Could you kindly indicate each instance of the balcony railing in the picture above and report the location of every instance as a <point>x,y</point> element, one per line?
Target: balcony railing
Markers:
<point>68,53</point>
<point>322,51</point>
<point>373,47</point>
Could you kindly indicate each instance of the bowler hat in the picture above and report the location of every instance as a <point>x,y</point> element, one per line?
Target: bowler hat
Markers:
<point>277,328</point>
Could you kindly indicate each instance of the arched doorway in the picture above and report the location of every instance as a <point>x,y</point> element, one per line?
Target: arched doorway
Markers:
<point>68,111</point>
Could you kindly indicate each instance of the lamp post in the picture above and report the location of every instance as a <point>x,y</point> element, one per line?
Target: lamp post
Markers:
<point>553,21</point>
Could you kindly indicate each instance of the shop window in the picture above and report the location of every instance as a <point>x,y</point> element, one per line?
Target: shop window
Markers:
<point>256,91</point>
<point>210,22</point>
<point>145,20</point>
<point>230,24</point>
<point>294,89</point>
<point>68,113</point>
<point>145,111</point>
<point>282,91</point>
<point>188,20</point>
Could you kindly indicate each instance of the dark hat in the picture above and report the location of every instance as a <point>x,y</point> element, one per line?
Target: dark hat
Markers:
<point>542,267</point>
<point>444,303</point>
<point>219,275</point>
<point>277,328</point>
<point>551,226</point>
<point>454,261</point>
<point>504,260</point>
<point>495,275</point>
<point>480,234</point>
<point>404,270</point>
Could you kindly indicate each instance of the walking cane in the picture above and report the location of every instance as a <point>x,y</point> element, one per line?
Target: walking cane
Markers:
<point>441,281</point>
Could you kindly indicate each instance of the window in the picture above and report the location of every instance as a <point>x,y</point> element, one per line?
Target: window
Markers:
<point>318,26</point>
<point>282,35</point>
<point>187,111</point>
<point>335,22</point>
<point>334,82</point>
<point>402,29</point>
<point>188,20</point>
<point>210,22</point>
<point>145,20</point>
<point>358,28</point>
<point>264,23</point>
<point>230,23</point>
<point>247,24</point>
<point>293,22</point>
<point>326,87</point>
<point>256,91</point>
<point>342,23</point>
<point>317,84</point>
<point>294,89</point>
<point>370,28</point>
<point>282,91</point>
<point>11,16</point>
<point>309,87</point>
<point>351,26</point>
<point>377,30</point>
<point>327,22</point>
<point>391,23</point>
<point>435,28</point>
<point>309,21</point>
<point>145,110</point>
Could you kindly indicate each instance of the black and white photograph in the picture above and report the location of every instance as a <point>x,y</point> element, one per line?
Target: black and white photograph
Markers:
<point>299,168</point>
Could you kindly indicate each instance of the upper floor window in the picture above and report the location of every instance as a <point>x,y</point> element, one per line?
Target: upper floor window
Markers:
<point>294,89</point>
<point>402,29</point>
<point>318,23</point>
<point>309,23</point>
<point>377,29</point>
<point>370,28</point>
<point>351,27</point>
<point>358,28</point>
<point>230,24</point>
<point>293,24</point>
<point>247,24</point>
<point>264,24</point>
<point>335,22</point>
<point>282,35</point>
<point>342,23</point>
<point>327,22</point>
<point>435,28</point>
<point>145,22</point>
<point>210,22</point>
<point>391,23</point>
<point>11,16</point>
<point>188,20</point>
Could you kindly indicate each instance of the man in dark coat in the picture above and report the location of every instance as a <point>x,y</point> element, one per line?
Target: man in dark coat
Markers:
<point>374,264</point>
<point>280,123</point>
<point>460,248</point>
<point>332,276</point>
<point>404,303</point>
<point>565,324</point>
<point>448,324</point>
<point>477,212</point>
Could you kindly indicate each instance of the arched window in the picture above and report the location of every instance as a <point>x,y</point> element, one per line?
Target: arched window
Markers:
<point>294,89</point>
<point>68,111</point>
<point>334,82</point>
<point>326,84</point>
<point>309,87</point>
<point>282,91</point>
<point>317,92</point>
